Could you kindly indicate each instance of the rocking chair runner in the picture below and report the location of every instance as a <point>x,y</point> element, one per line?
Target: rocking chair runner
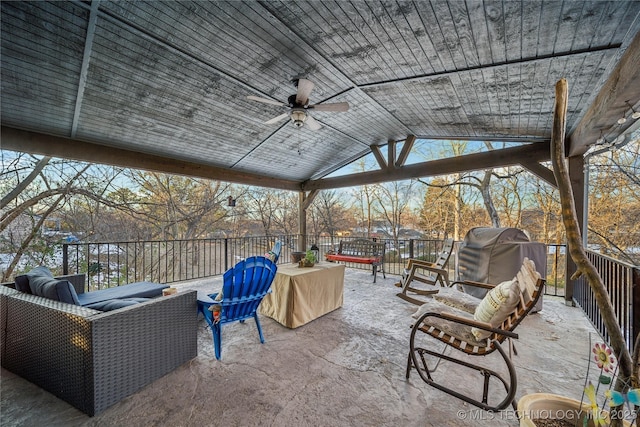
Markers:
<point>436,274</point>
<point>449,319</point>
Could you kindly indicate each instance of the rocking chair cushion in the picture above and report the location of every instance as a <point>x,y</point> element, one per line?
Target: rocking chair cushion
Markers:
<point>457,299</point>
<point>496,306</point>
<point>442,327</point>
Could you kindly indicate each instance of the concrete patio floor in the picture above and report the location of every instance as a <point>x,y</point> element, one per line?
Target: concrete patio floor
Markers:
<point>346,368</point>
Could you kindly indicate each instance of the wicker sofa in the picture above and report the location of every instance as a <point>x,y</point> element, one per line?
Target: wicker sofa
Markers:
<point>93,359</point>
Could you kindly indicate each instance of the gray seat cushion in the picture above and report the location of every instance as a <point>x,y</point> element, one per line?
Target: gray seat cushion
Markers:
<point>114,304</point>
<point>132,290</point>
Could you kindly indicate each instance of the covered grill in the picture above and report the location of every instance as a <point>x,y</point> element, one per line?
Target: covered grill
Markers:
<point>493,255</point>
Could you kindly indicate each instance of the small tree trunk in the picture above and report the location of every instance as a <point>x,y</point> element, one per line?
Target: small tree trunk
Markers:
<point>574,242</point>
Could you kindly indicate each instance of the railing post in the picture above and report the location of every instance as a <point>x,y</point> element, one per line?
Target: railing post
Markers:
<point>226,253</point>
<point>411,248</point>
<point>65,259</point>
<point>635,308</point>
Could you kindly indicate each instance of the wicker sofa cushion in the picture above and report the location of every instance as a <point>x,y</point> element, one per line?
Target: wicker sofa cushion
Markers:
<point>43,284</point>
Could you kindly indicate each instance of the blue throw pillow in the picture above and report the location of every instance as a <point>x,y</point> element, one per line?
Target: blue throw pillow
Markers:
<point>22,284</point>
<point>55,289</point>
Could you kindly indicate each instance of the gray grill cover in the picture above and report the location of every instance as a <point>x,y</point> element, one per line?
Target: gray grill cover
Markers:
<point>493,255</point>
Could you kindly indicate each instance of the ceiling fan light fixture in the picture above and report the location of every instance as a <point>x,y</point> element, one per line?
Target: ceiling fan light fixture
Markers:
<point>298,117</point>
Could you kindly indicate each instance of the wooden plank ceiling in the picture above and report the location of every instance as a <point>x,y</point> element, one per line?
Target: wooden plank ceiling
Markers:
<point>169,80</point>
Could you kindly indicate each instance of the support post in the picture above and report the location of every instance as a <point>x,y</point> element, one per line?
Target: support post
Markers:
<point>576,177</point>
<point>302,222</point>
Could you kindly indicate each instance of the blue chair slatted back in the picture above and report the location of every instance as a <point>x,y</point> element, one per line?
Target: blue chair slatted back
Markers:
<point>244,287</point>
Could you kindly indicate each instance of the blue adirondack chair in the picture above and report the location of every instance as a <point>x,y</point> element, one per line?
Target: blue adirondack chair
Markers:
<point>244,287</point>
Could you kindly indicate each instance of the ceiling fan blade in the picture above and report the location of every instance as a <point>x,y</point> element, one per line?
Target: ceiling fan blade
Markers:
<point>265,100</point>
<point>338,106</point>
<point>312,123</point>
<point>304,90</point>
<point>277,119</point>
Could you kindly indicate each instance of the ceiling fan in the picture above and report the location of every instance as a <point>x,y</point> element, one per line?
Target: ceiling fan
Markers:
<point>298,106</point>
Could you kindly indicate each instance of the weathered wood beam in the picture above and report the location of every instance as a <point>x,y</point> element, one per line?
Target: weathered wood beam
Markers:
<point>541,172</point>
<point>379,157</point>
<point>622,85</point>
<point>406,149</point>
<point>56,146</point>
<point>477,161</point>
<point>308,199</point>
<point>391,154</point>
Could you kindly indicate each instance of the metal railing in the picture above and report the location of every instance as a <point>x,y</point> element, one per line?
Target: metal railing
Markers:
<point>116,263</point>
<point>622,282</point>
<point>109,264</point>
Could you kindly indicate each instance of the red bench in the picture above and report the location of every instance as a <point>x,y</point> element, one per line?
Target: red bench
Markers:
<point>360,251</point>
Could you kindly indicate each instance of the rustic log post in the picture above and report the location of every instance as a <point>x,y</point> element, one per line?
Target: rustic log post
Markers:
<point>576,247</point>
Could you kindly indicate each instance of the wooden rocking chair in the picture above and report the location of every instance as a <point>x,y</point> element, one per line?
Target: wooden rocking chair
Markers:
<point>449,318</point>
<point>431,273</point>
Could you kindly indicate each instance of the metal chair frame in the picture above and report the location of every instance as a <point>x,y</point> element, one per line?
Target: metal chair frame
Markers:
<point>417,360</point>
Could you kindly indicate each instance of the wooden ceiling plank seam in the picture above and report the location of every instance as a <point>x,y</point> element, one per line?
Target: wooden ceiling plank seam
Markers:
<point>494,65</point>
<point>442,14</point>
<point>374,33</point>
<point>513,13</point>
<point>629,20</point>
<point>410,38</point>
<point>53,83</point>
<point>398,40</point>
<point>544,98</point>
<point>38,53</point>
<point>530,24</point>
<point>202,49</point>
<point>84,69</point>
<point>479,29</point>
<point>578,79</point>
<point>470,95</point>
<point>495,30</point>
<point>586,30</point>
<point>179,50</point>
<point>423,38</point>
<point>568,25</point>
<point>260,144</point>
<point>349,10</point>
<point>464,33</point>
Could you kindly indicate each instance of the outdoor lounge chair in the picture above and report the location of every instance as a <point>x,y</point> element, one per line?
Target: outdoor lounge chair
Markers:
<point>477,328</point>
<point>244,287</point>
<point>431,273</point>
